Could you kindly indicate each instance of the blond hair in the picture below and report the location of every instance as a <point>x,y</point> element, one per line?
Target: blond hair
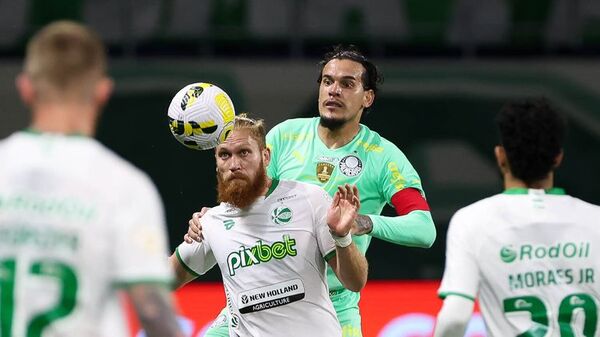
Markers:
<point>65,56</point>
<point>256,127</point>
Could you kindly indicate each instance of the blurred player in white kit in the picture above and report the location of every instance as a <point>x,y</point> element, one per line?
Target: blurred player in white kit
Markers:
<point>531,254</point>
<point>77,223</point>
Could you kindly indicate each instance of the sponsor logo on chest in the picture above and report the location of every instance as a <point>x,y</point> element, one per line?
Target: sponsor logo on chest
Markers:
<point>527,252</point>
<point>260,253</point>
<point>328,159</point>
<point>271,296</point>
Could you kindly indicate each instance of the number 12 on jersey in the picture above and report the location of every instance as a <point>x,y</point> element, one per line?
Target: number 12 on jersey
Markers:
<point>58,271</point>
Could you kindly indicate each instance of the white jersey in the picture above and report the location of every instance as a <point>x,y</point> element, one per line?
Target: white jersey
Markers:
<point>75,221</point>
<point>272,258</point>
<point>533,260</point>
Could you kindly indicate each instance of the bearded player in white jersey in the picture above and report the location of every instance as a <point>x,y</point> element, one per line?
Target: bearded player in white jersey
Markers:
<point>77,223</point>
<point>531,254</point>
<point>334,149</point>
<point>272,241</point>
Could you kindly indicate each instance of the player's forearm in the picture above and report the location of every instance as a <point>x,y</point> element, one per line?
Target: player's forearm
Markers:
<point>415,229</point>
<point>352,267</point>
<point>453,318</point>
<point>155,310</point>
<point>182,276</point>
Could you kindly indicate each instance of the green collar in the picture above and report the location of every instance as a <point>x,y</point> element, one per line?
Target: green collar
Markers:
<point>32,131</point>
<point>274,183</point>
<point>523,190</point>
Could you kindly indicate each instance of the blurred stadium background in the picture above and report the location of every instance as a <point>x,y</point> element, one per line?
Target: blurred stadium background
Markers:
<point>449,65</point>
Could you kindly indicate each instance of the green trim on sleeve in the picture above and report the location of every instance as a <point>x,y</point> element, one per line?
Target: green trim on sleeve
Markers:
<point>443,295</point>
<point>126,284</point>
<point>185,266</point>
<point>330,255</point>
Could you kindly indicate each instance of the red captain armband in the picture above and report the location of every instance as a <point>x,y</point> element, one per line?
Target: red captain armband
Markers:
<point>408,200</point>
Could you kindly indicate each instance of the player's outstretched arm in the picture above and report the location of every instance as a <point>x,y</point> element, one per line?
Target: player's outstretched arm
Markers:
<point>182,275</point>
<point>454,316</point>
<point>154,308</point>
<point>349,265</point>
<point>413,226</point>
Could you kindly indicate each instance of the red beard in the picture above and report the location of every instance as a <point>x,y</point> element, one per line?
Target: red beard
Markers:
<point>242,192</point>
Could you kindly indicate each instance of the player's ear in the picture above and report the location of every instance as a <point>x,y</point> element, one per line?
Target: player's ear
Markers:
<point>501,159</point>
<point>559,159</point>
<point>368,98</point>
<point>266,154</point>
<point>25,88</point>
<point>103,90</point>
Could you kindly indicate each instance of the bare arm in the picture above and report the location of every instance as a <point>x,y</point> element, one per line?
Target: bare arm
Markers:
<point>454,316</point>
<point>154,308</point>
<point>349,265</point>
<point>182,275</point>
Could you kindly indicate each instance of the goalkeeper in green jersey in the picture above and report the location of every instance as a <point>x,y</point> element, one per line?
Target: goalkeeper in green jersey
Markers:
<point>334,149</point>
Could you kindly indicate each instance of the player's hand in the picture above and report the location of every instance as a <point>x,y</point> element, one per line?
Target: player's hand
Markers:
<point>195,227</point>
<point>343,210</point>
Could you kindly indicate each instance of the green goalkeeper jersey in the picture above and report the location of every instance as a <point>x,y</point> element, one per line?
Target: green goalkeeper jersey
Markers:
<point>375,165</point>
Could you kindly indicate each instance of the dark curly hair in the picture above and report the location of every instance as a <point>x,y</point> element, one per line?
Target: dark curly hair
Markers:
<point>371,77</point>
<point>532,134</point>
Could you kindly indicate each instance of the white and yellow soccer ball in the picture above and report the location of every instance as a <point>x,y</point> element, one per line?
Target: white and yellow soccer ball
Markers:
<point>201,116</point>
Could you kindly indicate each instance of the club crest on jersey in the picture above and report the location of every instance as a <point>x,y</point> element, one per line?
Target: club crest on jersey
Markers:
<point>281,215</point>
<point>324,171</point>
<point>351,165</point>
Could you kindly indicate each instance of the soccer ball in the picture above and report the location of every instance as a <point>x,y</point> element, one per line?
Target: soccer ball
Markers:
<point>201,116</point>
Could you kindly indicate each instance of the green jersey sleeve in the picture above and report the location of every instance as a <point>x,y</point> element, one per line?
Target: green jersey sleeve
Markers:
<point>397,173</point>
<point>274,144</point>
<point>415,229</point>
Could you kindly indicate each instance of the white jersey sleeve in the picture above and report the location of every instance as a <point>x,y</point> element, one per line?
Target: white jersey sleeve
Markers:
<point>320,202</point>
<point>140,238</point>
<point>461,275</point>
<point>197,257</point>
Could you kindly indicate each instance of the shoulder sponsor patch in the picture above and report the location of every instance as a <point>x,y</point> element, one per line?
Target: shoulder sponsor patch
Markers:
<point>351,165</point>
<point>271,296</point>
